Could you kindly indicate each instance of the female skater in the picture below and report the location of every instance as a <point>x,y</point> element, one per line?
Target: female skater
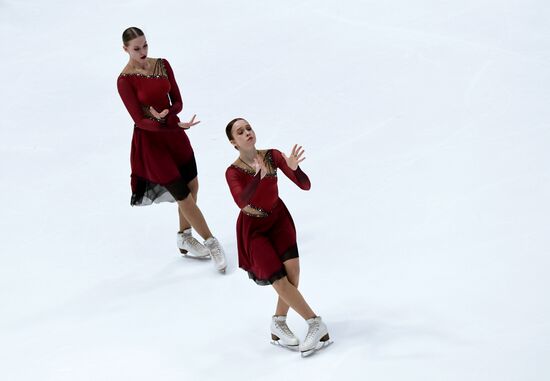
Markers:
<point>266,236</point>
<point>162,160</point>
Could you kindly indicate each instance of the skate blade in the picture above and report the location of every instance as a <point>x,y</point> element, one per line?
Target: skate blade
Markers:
<point>320,346</point>
<point>186,254</point>
<point>222,271</point>
<point>205,258</point>
<point>293,348</point>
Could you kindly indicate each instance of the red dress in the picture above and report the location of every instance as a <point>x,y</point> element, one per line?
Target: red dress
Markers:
<point>161,157</point>
<point>266,235</point>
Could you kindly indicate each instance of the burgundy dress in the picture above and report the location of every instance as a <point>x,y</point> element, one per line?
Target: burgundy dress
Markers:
<point>266,235</point>
<point>161,157</point>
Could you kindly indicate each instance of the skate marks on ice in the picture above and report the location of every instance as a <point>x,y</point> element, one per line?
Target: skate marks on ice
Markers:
<point>357,139</point>
<point>415,31</point>
<point>390,339</point>
<point>106,295</point>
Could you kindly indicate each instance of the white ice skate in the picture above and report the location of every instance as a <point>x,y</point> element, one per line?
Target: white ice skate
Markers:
<point>282,335</point>
<point>217,253</point>
<point>190,247</point>
<point>317,337</point>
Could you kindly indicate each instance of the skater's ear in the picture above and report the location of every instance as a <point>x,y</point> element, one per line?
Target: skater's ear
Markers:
<point>229,131</point>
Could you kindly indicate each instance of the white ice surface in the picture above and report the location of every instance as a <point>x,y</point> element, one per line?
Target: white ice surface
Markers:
<point>424,240</point>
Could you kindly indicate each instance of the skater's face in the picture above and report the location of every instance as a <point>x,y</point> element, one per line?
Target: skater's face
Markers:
<point>243,135</point>
<point>137,49</point>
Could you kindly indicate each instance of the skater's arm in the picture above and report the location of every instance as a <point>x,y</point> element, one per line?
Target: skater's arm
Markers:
<point>242,193</point>
<point>133,106</point>
<point>175,97</point>
<point>297,176</point>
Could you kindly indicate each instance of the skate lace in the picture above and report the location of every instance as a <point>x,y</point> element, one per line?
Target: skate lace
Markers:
<point>312,331</point>
<point>215,251</point>
<point>191,241</point>
<point>284,327</point>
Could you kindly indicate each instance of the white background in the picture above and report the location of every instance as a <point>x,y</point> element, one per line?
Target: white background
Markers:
<point>424,239</point>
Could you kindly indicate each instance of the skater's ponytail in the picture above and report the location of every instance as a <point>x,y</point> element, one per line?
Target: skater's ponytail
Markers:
<point>131,33</point>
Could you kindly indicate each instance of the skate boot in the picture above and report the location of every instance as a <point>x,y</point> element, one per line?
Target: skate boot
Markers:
<point>216,251</point>
<point>190,247</point>
<point>317,337</point>
<point>282,335</point>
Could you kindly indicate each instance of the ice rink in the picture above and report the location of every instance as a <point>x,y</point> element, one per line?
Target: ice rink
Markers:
<point>424,241</point>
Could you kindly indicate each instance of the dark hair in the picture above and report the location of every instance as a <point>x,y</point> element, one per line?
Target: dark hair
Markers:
<point>130,33</point>
<point>229,127</point>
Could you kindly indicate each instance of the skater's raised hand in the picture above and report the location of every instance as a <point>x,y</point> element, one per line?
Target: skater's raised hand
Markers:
<point>295,157</point>
<point>259,166</point>
<point>156,114</point>
<point>189,124</point>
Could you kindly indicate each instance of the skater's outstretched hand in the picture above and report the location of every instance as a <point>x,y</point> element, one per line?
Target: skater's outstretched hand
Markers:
<point>156,114</point>
<point>259,166</point>
<point>295,157</point>
<point>191,123</point>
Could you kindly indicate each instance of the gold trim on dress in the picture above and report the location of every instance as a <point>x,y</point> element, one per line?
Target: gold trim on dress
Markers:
<point>254,211</point>
<point>268,160</point>
<point>159,71</point>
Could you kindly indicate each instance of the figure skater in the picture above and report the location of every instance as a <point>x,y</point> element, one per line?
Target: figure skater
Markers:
<point>266,235</point>
<point>162,159</point>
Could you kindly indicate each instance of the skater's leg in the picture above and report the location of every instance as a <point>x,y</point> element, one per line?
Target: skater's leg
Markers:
<point>292,267</point>
<point>193,215</point>
<point>193,186</point>
<point>291,296</point>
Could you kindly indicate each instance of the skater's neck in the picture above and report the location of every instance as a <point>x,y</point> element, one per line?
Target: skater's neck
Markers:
<point>248,155</point>
<point>138,66</point>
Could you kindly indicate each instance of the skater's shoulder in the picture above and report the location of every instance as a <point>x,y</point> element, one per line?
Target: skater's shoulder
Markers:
<point>153,64</point>
<point>272,155</point>
<point>232,168</point>
<point>238,168</point>
<point>269,152</point>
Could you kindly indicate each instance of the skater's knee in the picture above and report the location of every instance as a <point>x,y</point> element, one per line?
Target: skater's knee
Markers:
<point>187,202</point>
<point>292,267</point>
<point>193,186</point>
<point>281,285</point>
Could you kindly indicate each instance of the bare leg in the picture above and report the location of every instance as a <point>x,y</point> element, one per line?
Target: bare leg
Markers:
<point>292,267</point>
<point>293,298</point>
<point>191,214</point>
<point>193,186</point>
